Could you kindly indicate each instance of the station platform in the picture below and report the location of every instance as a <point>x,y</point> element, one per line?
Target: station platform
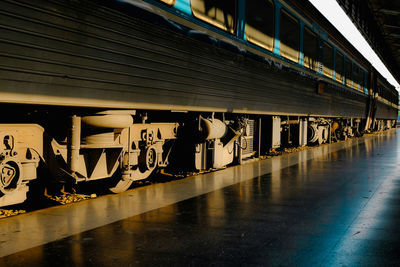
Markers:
<point>333,205</point>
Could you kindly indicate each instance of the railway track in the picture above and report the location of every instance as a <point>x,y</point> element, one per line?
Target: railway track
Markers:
<point>54,195</point>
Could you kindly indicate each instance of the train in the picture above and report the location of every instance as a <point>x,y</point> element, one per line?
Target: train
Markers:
<point>114,90</point>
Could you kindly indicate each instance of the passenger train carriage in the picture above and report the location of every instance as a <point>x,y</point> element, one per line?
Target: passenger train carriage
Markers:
<point>119,88</point>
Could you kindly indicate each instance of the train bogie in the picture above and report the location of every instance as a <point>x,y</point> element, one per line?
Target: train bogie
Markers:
<point>20,152</point>
<point>99,145</point>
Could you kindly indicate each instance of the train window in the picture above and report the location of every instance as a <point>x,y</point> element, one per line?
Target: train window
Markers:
<point>348,72</point>
<point>289,36</point>
<point>327,60</point>
<point>356,81</point>
<point>169,2</point>
<point>362,79</point>
<point>219,13</point>
<point>381,89</point>
<point>310,49</point>
<point>339,66</point>
<point>259,27</point>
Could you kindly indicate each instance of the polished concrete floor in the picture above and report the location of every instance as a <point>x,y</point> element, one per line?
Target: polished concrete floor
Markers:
<point>335,205</point>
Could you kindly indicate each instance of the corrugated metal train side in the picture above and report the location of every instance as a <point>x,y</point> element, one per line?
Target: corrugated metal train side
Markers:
<point>84,54</point>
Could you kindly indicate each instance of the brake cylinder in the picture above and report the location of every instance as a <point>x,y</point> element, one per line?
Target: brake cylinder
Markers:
<point>213,129</point>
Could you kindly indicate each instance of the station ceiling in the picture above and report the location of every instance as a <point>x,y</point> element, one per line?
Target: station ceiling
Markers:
<point>379,22</point>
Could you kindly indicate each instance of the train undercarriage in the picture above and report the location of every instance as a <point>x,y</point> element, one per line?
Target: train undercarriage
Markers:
<point>126,145</point>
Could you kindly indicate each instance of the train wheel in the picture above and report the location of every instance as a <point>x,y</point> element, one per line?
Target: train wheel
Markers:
<point>147,163</point>
<point>121,186</point>
<point>124,182</point>
<point>9,176</point>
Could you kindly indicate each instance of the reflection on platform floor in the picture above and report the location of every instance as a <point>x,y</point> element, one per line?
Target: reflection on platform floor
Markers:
<point>341,208</point>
